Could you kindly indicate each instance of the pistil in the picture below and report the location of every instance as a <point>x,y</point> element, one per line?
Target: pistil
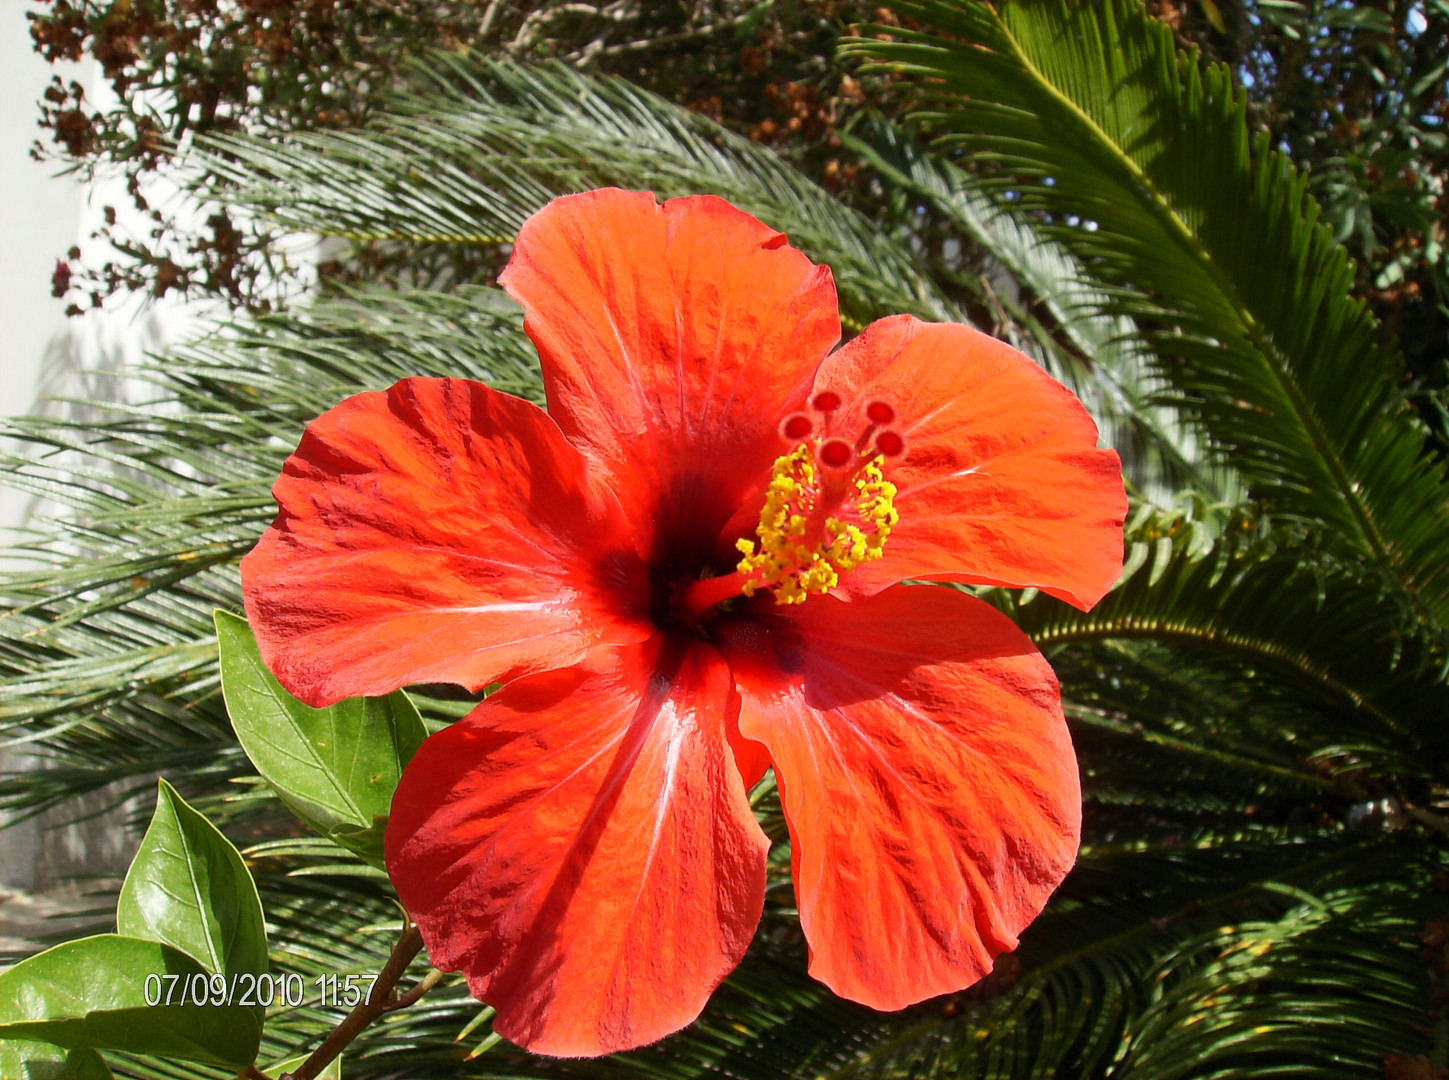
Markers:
<point>694,599</point>
<point>828,508</point>
<point>804,539</point>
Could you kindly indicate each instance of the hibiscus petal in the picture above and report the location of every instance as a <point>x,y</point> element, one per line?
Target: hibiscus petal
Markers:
<point>438,532</point>
<point>927,778</point>
<point>1001,482</point>
<point>673,340</point>
<point>581,847</point>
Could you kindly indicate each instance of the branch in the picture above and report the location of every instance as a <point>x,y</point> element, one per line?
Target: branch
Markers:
<point>426,983</point>
<point>488,17</point>
<point>1429,818</point>
<point>377,1003</point>
<point>697,33</point>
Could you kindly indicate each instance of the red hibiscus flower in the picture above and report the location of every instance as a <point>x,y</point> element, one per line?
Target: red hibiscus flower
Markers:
<point>686,572</point>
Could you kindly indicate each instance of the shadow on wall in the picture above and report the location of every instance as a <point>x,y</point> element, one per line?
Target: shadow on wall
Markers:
<point>88,837</point>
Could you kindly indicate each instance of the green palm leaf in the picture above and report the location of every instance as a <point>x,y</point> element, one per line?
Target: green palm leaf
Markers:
<point>1137,160</point>
<point>1100,356</point>
<point>464,162</point>
<point>1129,1003</point>
<point>1285,606</point>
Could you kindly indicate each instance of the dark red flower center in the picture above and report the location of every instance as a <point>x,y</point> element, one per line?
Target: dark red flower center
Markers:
<point>827,508</point>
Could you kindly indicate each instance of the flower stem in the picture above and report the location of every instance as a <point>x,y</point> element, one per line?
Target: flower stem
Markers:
<point>377,1003</point>
<point>426,983</point>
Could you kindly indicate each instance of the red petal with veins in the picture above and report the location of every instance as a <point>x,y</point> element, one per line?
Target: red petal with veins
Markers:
<point>674,339</point>
<point>1001,483</point>
<point>582,849</point>
<point>438,532</point>
<point>927,778</point>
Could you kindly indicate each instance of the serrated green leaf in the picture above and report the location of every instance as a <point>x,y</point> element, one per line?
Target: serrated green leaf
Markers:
<point>92,994</point>
<point>188,887</point>
<point>335,767</point>
<point>366,843</point>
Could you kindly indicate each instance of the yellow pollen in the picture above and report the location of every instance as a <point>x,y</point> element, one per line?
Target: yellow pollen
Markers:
<point>787,558</point>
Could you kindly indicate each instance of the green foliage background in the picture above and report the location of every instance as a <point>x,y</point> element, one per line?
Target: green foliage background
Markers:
<point>1259,706</point>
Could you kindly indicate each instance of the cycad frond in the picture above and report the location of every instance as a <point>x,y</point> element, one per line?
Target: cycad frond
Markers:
<point>466,161</point>
<point>1099,355</point>
<point>1137,160</point>
<point>1132,936</point>
<point>1288,607</point>
<point>1270,997</point>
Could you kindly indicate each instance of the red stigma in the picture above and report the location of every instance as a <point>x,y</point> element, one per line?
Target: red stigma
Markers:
<point>827,401</point>
<point>890,443</point>
<point>878,412</point>
<point>797,426</point>
<point>836,453</point>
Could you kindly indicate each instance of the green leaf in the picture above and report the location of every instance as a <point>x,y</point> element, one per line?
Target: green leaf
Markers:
<point>92,994</point>
<point>1286,604</point>
<point>335,767</point>
<point>188,888</point>
<point>42,1061</point>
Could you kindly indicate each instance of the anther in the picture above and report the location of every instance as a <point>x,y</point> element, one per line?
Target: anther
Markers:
<point>890,443</point>
<point>837,453</point>
<point>797,426</point>
<point>825,512</point>
<point>827,401</point>
<point>878,412</point>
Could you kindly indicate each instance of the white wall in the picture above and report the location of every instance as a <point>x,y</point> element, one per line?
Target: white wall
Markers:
<point>41,217</point>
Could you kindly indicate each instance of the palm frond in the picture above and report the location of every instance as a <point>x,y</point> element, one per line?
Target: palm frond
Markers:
<point>1100,356</point>
<point>1285,607</point>
<point>1316,989</point>
<point>1126,1003</point>
<point>1137,160</point>
<point>466,161</point>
